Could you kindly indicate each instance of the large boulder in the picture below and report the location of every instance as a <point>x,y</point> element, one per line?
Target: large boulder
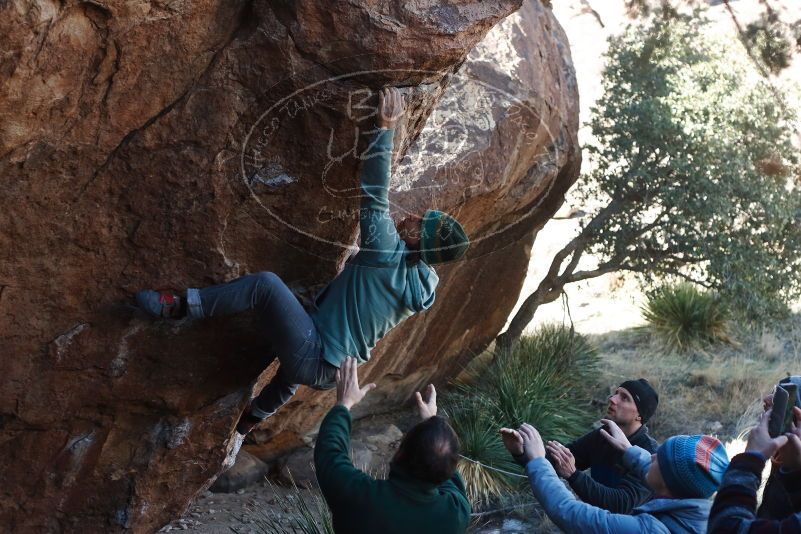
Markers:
<point>174,144</point>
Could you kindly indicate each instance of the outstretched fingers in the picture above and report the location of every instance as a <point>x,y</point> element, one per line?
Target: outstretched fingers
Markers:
<point>354,373</point>
<point>419,398</point>
<point>397,103</point>
<point>529,432</point>
<point>512,440</point>
<point>344,370</point>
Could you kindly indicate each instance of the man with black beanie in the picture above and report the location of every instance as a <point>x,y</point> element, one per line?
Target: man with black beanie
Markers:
<point>608,485</point>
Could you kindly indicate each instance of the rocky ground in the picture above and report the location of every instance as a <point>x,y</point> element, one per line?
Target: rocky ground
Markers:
<point>254,493</point>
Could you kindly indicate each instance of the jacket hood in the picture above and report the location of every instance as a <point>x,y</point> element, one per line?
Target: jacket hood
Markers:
<point>679,515</point>
<point>411,486</point>
<point>421,284</point>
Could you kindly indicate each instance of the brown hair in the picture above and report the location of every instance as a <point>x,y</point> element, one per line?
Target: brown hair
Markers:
<point>429,451</point>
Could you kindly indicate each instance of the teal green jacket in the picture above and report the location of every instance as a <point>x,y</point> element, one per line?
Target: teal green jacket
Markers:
<point>399,505</point>
<point>379,287</point>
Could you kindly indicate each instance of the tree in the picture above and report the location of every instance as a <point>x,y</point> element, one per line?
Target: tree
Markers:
<point>694,163</point>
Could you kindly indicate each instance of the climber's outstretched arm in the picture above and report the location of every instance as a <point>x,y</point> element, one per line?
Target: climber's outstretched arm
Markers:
<point>378,233</point>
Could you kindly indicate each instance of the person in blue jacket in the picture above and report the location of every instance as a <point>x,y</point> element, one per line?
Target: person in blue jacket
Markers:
<point>683,474</point>
<point>387,281</point>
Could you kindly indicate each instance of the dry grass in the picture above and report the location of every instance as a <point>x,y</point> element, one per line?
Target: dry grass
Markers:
<point>716,390</point>
<point>482,485</point>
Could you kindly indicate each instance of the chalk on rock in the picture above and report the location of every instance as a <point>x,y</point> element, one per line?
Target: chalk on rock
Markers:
<point>233,446</point>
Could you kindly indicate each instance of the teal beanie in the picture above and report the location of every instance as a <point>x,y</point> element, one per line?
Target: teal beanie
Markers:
<point>692,466</point>
<point>442,238</point>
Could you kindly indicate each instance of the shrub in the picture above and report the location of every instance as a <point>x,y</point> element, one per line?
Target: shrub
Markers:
<point>302,515</point>
<point>478,437</point>
<point>540,381</point>
<point>683,318</point>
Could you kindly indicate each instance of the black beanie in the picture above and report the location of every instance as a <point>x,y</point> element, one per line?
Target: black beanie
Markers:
<point>644,396</point>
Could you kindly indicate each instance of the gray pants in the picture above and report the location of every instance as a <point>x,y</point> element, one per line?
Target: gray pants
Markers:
<point>290,330</point>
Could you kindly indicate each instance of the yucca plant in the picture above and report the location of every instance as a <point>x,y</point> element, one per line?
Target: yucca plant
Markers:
<point>302,515</point>
<point>682,317</point>
<point>478,437</point>
<point>539,381</point>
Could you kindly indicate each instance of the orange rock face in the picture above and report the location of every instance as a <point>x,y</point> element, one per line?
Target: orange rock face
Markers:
<point>174,144</point>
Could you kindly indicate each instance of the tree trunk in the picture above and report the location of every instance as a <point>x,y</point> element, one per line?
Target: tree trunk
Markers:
<point>548,291</point>
<point>557,278</point>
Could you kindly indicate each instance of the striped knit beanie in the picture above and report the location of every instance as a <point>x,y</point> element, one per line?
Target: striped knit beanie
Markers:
<point>442,238</point>
<point>692,466</point>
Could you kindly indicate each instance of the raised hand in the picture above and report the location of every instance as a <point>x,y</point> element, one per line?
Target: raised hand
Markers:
<point>513,441</point>
<point>614,435</point>
<point>767,402</point>
<point>533,447</point>
<point>427,404</point>
<point>759,439</point>
<point>789,456</point>
<point>348,391</point>
<point>390,107</point>
<point>563,460</point>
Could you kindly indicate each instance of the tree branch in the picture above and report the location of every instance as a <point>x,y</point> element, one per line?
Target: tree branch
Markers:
<point>765,74</point>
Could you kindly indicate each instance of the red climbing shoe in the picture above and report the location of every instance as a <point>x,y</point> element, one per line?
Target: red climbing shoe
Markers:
<point>160,303</point>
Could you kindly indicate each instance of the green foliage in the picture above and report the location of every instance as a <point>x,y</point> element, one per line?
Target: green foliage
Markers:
<point>682,317</point>
<point>771,38</point>
<point>299,516</point>
<point>478,438</point>
<point>681,134</point>
<point>796,29</point>
<point>664,8</point>
<point>538,381</point>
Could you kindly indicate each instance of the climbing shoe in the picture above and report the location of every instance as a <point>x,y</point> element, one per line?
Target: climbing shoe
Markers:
<point>164,304</point>
<point>247,422</point>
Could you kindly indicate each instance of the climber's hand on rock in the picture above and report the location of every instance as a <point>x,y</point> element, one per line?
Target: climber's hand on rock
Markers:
<point>390,107</point>
<point>348,391</point>
<point>427,402</point>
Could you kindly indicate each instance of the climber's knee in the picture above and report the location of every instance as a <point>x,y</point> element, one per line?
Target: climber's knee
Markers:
<point>266,278</point>
<point>264,284</point>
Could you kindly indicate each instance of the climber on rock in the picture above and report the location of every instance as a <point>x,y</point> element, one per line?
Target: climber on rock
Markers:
<point>388,280</point>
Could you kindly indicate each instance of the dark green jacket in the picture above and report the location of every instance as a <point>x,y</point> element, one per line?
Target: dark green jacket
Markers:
<point>400,505</point>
